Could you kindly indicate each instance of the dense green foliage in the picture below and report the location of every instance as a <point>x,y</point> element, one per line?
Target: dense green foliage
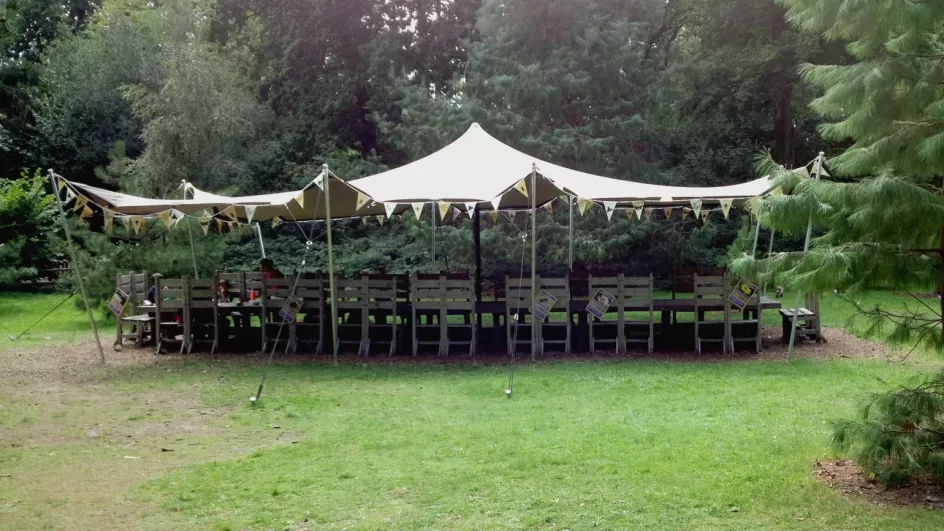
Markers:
<point>27,217</point>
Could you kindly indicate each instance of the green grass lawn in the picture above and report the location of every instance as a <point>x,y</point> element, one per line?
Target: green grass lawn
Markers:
<point>608,445</point>
<point>65,325</point>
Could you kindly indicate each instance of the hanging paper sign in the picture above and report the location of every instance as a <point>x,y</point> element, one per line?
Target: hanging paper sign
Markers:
<point>290,309</point>
<point>109,220</point>
<point>300,199</point>
<point>362,199</point>
<point>647,213</point>
<point>743,291</point>
<point>164,217</point>
<point>696,207</point>
<point>417,209</point>
<point>389,208</point>
<point>380,219</point>
<point>137,224</point>
<point>126,221</point>
<point>250,212</point>
<point>276,221</point>
<point>86,212</point>
<point>494,216</point>
<point>726,207</point>
<point>118,302</point>
<point>638,207</point>
<point>205,225</point>
<point>80,202</point>
<point>544,305</point>
<point>444,210</point>
<point>522,187</point>
<point>583,205</point>
<point>599,303</point>
<point>610,207</point>
<point>668,212</point>
<point>470,208</point>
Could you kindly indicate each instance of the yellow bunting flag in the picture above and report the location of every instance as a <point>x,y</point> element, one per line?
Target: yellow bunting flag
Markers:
<point>494,215</point>
<point>802,172</point>
<point>109,220</point>
<point>205,225</point>
<point>522,187</point>
<point>610,207</point>
<point>726,207</point>
<point>276,221</point>
<point>126,221</point>
<point>704,215</point>
<point>300,199</point>
<point>583,205</point>
<point>647,213</point>
<point>755,205</point>
<point>137,223</point>
<point>444,210</point>
<point>668,212</point>
<point>638,207</point>
<point>60,184</point>
<point>389,208</point>
<point>80,202</point>
<point>380,219</point>
<point>629,214</point>
<point>417,209</point>
<point>685,212</point>
<point>362,200</point>
<point>549,206</point>
<point>86,212</point>
<point>696,207</point>
<point>777,191</point>
<point>219,226</point>
<point>165,218</point>
<point>230,212</point>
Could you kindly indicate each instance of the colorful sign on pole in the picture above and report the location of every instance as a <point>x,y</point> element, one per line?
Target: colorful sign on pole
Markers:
<point>545,302</point>
<point>118,302</point>
<point>599,303</point>
<point>289,310</point>
<point>743,291</point>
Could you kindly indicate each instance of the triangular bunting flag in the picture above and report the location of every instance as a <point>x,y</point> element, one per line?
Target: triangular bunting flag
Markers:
<point>685,212</point>
<point>696,207</point>
<point>364,220</point>
<point>802,172</point>
<point>86,212</point>
<point>219,226</point>
<point>109,220</point>
<point>126,221</point>
<point>777,191</point>
<point>704,215</point>
<point>60,184</point>
<point>638,207</point>
<point>822,169</point>
<point>276,221</point>
<point>80,202</point>
<point>137,224</point>
<point>319,181</point>
<point>229,212</point>
<point>205,225</point>
<point>583,205</point>
<point>444,210</point>
<point>417,209</point>
<point>610,207</point>
<point>381,219</point>
<point>250,212</point>
<point>494,215</point>
<point>389,208</point>
<point>549,206</point>
<point>629,214</point>
<point>668,212</point>
<point>726,207</point>
<point>164,217</point>
<point>70,195</point>
<point>362,199</point>
<point>647,213</point>
<point>470,209</point>
<point>300,199</point>
<point>496,202</point>
<point>522,187</point>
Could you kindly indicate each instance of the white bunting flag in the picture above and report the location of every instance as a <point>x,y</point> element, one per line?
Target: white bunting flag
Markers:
<point>109,220</point>
<point>470,208</point>
<point>381,219</point>
<point>250,212</point>
<point>364,220</point>
<point>164,216</point>
<point>610,207</point>
<point>319,181</point>
<point>647,213</point>
<point>726,207</point>
<point>696,207</point>
<point>389,208</point>
<point>70,195</point>
<point>638,207</point>
<point>496,202</point>
<point>126,221</point>
<point>276,221</point>
<point>583,205</point>
<point>362,199</point>
<point>418,209</point>
<point>522,187</point>
<point>205,225</point>
<point>444,210</point>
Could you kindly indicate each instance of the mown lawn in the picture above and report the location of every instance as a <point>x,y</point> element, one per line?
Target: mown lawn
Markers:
<point>64,325</point>
<point>608,445</point>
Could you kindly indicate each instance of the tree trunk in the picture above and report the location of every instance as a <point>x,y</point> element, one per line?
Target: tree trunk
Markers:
<point>783,123</point>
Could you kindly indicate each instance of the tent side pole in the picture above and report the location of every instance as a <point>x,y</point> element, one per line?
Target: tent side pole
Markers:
<point>193,252</point>
<point>570,229</point>
<point>262,243</point>
<point>806,248</point>
<point>477,244</point>
<point>770,252</point>
<point>756,234</point>
<point>434,231</point>
<point>534,265</point>
<point>75,265</point>
<point>326,180</point>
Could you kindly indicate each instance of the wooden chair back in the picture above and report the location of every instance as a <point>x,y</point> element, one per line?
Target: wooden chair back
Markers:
<point>237,284</point>
<point>637,292</point>
<point>202,292</point>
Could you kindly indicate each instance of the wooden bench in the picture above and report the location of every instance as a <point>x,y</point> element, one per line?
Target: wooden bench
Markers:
<point>807,320</point>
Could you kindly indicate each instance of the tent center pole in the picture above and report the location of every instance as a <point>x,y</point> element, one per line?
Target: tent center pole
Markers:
<point>806,248</point>
<point>75,265</point>
<point>570,229</point>
<point>326,180</point>
<point>261,243</point>
<point>193,252</point>
<point>535,324</point>
<point>434,207</point>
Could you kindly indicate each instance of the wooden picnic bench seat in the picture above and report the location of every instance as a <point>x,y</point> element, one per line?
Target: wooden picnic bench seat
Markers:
<point>807,321</point>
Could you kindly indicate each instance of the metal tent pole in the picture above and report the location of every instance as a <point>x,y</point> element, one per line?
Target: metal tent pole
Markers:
<point>757,232</point>
<point>570,228</point>
<point>326,180</point>
<point>75,265</point>
<point>534,262</point>
<point>770,251</point>
<point>193,252</point>
<point>434,207</point>
<point>261,243</point>
<point>806,248</point>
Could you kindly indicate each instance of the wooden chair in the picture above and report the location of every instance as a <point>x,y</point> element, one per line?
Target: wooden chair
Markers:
<point>710,290</point>
<point>636,294</point>
<point>518,302</point>
<point>459,295</point>
<point>137,315</point>
<point>752,318</point>
<point>518,317</point>
<point>311,329</point>
<point>172,295</point>
<point>560,288</point>
<point>237,284</point>
<point>255,287</point>
<point>602,331</point>
<point>439,296</point>
<point>382,304</point>
<point>808,320</point>
<point>276,330</point>
<point>203,315</point>
<point>352,303</point>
